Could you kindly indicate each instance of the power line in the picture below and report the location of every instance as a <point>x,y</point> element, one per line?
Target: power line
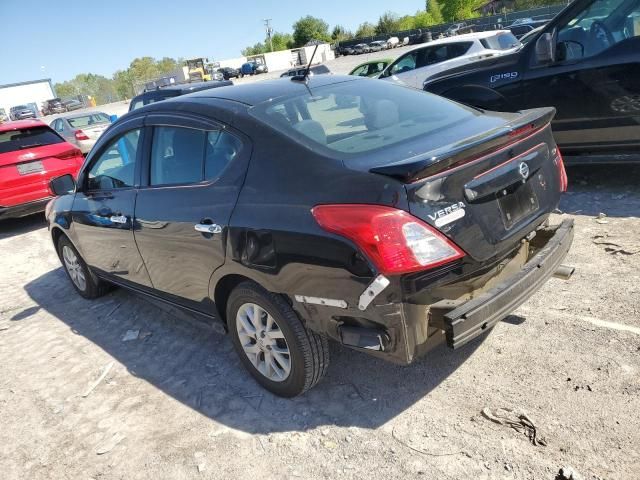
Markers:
<point>267,25</point>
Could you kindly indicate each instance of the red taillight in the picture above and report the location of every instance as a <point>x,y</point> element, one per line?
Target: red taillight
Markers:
<point>80,135</point>
<point>68,154</point>
<point>395,241</point>
<point>564,180</point>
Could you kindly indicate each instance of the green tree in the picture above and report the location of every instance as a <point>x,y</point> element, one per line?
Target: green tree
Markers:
<point>454,10</point>
<point>434,10</point>
<point>387,23</point>
<point>281,41</point>
<point>144,68</point>
<point>310,28</point>
<point>123,83</point>
<point>258,49</point>
<point>168,65</point>
<point>365,29</point>
<point>340,34</point>
<point>408,22</point>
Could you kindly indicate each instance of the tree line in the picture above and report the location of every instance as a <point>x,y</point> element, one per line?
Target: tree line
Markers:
<point>306,29</point>
<point>436,12</point>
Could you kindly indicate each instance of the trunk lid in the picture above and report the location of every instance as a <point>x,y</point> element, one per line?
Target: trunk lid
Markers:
<point>25,174</point>
<point>94,131</point>
<point>488,191</point>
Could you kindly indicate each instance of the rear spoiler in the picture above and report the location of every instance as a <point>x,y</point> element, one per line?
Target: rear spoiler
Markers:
<point>443,160</point>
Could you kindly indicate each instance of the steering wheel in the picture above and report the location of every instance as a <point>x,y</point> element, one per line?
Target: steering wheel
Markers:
<point>600,36</point>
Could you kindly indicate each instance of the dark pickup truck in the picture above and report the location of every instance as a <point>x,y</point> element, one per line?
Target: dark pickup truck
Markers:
<point>586,63</point>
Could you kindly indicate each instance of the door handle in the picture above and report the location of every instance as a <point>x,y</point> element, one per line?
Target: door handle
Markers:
<point>207,228</point>
<point>118,219</point>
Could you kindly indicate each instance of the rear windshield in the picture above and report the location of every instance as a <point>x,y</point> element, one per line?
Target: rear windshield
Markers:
<point>352,118</point>
<point>502,41</point>
<point>88,120</point>
<point>26,138</point>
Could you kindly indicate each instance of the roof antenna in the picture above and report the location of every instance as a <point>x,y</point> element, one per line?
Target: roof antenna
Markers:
<point>303,78</point>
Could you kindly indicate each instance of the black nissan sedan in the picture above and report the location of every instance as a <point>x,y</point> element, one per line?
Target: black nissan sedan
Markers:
<point>306,209</point>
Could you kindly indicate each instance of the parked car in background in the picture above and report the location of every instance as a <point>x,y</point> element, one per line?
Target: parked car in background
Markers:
<point>348,50</point>
<point>21,112</point>
<point>585,62</point>
<point>417,65</point>
<point>49,107</point>
<point>361,48</point>
<point>393,42</point>
<point>31,154</point>
<point>377,46</point>
<point>522,26</point>
<point>300,71</point>
<point>3,116</point>
<point>372,68</point>
<point>458,29</point>
<point>377,216</point>
<point>520,31</point>
<point>72,104</point>
<point>521,21</point>
<point>230,72</point>
<point>253,68</point>
<point>82,130</point>
<point>175,90</point>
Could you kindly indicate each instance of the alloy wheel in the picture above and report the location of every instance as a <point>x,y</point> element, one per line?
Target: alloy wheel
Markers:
<point>263,342</point>
<point>74,268</point>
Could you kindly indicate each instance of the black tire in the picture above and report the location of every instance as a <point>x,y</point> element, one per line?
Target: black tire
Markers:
<point>309,352</point>
<point>93,286</point>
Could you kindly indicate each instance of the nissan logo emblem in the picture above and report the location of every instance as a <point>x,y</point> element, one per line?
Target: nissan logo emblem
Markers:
<point>524,170</point>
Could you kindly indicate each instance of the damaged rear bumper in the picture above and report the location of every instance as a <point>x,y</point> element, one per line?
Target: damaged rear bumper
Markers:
<point>467,321</point>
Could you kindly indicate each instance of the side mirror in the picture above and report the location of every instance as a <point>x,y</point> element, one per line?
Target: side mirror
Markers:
<point>544,48</point>
<point>62,185</point>
<point>569,50</point>
<point>113,118</point>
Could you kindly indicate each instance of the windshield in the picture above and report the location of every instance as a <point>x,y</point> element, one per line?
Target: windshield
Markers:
<point>361,116</point>
<point>88,120</point>
<point>26,138</point>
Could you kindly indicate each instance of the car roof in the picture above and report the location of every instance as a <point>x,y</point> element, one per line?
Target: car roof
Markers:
<point>257,92</point>
<point>80,115</point>
<point>463,37</point>
<point>191,87</point>
<point>19,124</point>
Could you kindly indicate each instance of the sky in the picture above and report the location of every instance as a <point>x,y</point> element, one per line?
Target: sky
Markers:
<point>59,39</point>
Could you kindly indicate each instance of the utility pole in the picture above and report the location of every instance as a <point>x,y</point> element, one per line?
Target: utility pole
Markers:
<point>267,25</point>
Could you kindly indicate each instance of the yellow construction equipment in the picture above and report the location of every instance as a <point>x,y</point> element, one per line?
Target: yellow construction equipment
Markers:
<point>198,70</point>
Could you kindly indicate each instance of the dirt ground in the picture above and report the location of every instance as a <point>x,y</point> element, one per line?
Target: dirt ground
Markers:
<point>176,403</point>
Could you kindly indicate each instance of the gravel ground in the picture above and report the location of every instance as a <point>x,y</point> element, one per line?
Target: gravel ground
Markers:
<point>175,403</point>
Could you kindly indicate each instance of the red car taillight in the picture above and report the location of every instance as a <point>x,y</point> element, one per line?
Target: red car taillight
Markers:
<point>80,135</point>
<point>68,154</point>
<point>395,241</point>
<point>564,180</point>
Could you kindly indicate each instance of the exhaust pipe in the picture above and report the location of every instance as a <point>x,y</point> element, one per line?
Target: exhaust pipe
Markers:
<point>564,272</point>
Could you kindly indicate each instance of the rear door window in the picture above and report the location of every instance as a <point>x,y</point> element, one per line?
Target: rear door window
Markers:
<point>14,140</point>
<point>182,155</point>
<point>502,41</point>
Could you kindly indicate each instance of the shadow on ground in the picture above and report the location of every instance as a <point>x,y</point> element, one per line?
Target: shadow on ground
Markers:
<point>18,226</point>
<point>195,364</point>
<point>609,189</point>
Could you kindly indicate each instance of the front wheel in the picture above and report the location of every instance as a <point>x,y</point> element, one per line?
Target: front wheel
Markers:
<point>85,282</point>
<point>280,353</point>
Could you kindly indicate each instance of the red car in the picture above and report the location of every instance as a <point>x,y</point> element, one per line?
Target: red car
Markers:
<point>31,154</point>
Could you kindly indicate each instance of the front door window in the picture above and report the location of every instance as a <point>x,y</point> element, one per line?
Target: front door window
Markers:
<point>603,24</point>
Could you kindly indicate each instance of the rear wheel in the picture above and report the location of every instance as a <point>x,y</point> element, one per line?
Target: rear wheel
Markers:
<point>280,353</point>
<point>85,282</point>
